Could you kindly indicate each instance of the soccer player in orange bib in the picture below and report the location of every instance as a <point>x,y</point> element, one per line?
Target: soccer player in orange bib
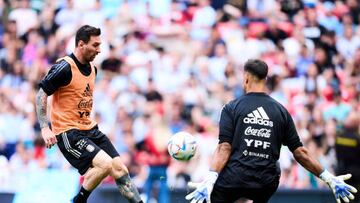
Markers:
<point>71,82</point>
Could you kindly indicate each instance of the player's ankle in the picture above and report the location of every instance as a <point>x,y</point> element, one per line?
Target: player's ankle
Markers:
<point>82,196</point>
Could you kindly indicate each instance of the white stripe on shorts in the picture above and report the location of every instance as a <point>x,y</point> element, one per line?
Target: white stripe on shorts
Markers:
<point>74,152</point>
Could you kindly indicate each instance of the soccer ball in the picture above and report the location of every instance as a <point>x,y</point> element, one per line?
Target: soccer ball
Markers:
<point>182,146</point>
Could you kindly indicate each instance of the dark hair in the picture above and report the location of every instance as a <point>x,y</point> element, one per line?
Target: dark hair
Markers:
<point>257,68</point>
<point>85,32</point>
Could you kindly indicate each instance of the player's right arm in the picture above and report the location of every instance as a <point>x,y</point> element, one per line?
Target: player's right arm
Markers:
<point>302,156</point>
<point>41,106</point>
<point>220,158</point>
<point>59,75</point>
<point>226,133</point>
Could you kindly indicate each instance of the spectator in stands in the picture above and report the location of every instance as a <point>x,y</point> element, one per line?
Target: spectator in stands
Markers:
<point>339,110</point>
<point>112,63</point>
<point>25,17</point>
<point>204,18</point>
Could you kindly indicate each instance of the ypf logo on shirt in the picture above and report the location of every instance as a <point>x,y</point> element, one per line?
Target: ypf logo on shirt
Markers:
<point>258,116</point>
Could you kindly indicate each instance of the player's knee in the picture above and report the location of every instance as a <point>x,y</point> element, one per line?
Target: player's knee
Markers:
<point>106,166</point>
<point>118,168</point>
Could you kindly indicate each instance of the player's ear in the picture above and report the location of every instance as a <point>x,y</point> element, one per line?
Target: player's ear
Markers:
<point>81,44</point>
<point>246,78</point>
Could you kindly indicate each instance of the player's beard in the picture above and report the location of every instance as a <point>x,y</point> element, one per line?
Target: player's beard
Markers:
<point>91,57</point>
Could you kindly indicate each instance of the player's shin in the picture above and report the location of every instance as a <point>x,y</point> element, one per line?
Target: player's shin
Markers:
<point>128,189</point>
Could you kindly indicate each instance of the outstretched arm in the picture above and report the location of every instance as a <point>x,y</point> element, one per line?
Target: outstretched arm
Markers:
<point>301,155</point>
<point>41,106</point>
<point>336,183</point>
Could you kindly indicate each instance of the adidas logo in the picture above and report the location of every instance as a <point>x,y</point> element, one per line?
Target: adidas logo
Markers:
<point>87,91</point>
<point>259,117</point>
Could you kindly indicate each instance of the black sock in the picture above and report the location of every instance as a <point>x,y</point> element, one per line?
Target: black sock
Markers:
<point>82,196</point>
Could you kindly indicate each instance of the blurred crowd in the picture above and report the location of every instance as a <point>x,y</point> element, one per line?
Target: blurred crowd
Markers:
<point>170,65</point>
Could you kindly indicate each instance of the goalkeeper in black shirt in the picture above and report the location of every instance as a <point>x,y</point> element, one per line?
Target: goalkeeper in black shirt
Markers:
<point>252,130</point>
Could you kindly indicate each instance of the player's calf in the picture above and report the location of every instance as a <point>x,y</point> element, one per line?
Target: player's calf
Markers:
<point>126,187</point>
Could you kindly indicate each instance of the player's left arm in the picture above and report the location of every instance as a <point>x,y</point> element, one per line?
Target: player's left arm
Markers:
<point>220,158</point>
<point>336,183</point>
<point>302,156</point>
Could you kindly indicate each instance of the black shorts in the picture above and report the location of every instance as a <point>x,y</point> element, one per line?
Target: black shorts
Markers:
<point>80,147</point>
<point>230,195</point>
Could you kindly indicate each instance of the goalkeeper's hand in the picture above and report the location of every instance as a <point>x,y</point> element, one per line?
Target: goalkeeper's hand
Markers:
<point>338,186</point>
<point>202,190</point>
